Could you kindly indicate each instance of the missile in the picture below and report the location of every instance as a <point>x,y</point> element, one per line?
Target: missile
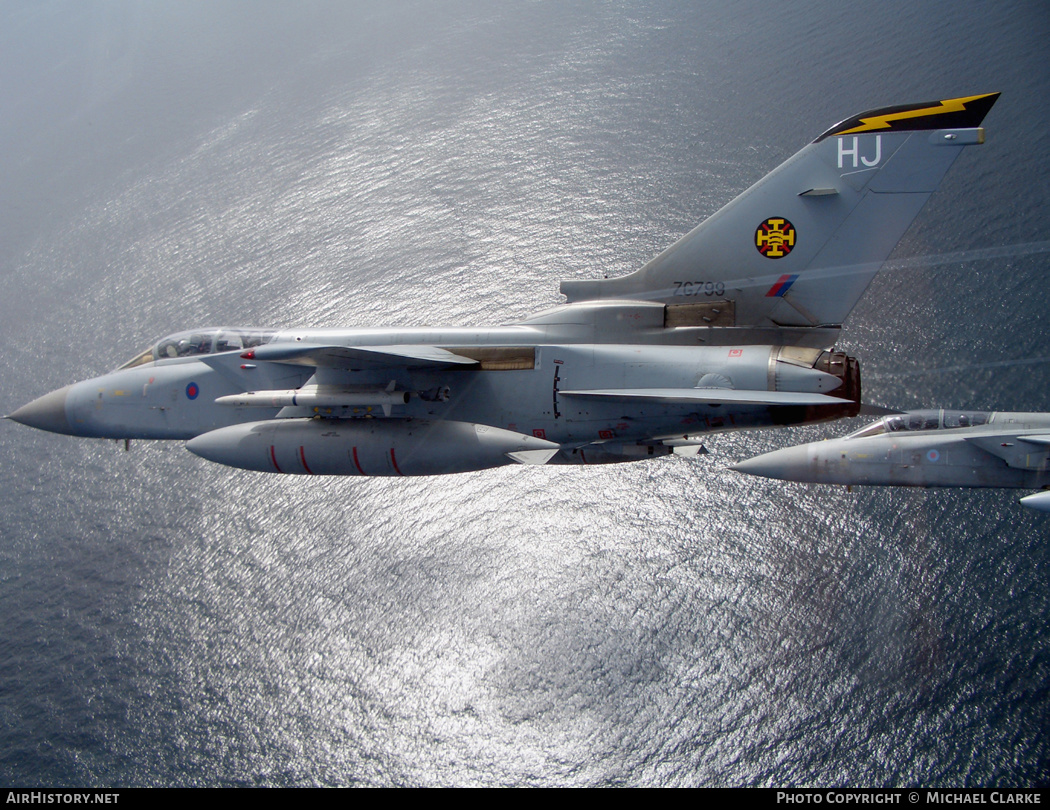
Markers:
<point>368,447</point>
<point>319,397</point>
<point>299,397</point>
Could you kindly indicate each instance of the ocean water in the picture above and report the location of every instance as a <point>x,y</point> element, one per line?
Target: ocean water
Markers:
<point>171,622</point>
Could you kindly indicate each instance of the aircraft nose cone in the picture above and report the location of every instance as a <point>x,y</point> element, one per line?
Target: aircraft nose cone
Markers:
<point>46,413</point>
<point>787,464</point>
<point>1040,501</point>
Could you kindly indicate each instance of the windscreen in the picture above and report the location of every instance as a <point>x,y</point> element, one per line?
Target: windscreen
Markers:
<point>201,341</point>
<point>923,420</point>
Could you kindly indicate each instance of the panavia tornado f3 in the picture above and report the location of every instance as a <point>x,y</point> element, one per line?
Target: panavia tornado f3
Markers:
<point>926,449</point>
<point>732,327</point>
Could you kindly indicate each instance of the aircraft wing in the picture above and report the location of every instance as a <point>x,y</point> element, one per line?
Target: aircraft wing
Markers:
<point>356,358</point>
<point>1030,451</point>
<point>708,396</point>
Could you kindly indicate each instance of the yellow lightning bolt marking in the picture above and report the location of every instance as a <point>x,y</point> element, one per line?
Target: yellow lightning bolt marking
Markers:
<point>886,121</point>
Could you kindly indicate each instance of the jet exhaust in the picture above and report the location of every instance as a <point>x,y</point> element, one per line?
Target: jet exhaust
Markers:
<point>835,364</point>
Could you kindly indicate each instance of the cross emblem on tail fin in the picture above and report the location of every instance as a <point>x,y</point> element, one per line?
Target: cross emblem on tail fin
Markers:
<point>775,238</point>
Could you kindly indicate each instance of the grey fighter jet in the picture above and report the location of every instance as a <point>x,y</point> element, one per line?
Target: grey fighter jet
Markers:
<point>926,449</point>
<point>731,327</point>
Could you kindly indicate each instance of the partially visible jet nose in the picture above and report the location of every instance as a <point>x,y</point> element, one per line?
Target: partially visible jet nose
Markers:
<point>788,464</point>
<point>46,413</point>
<point>1040,501</point>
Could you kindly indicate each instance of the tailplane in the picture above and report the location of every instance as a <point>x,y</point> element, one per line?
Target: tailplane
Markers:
<point>800,247</point>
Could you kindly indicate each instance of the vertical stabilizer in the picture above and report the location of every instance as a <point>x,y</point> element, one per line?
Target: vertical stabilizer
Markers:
<point>799,248</point>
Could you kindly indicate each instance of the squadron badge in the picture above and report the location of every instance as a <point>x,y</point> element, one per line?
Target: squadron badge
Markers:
<point>775,238</point>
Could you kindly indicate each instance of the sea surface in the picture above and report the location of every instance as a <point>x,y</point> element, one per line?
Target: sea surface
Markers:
<point>166,621</point>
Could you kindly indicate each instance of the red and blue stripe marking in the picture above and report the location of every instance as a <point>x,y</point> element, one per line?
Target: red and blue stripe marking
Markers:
<point>779,290</point>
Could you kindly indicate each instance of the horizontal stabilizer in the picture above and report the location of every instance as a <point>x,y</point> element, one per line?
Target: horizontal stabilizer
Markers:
<point>356,358</point>
<point>708,396</point>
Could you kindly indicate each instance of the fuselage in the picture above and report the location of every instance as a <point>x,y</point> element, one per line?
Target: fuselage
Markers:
<point>176,398</point>
<point>197,382</point>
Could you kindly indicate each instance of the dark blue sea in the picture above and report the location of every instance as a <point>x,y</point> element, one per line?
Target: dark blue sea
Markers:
<point>166,621</point>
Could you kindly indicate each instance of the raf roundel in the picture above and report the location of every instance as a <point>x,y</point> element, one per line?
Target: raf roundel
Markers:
<point>775,238</point>
<point>192,390</point>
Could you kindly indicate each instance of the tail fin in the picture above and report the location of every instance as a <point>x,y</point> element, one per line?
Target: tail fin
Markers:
<point>799,248</point>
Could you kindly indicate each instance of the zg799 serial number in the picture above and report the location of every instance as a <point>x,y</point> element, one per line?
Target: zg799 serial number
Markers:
<point>699,288</point>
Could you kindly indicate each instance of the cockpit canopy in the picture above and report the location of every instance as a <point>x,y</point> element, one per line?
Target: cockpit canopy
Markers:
<point>202,341</point>
<point>923,420</point>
